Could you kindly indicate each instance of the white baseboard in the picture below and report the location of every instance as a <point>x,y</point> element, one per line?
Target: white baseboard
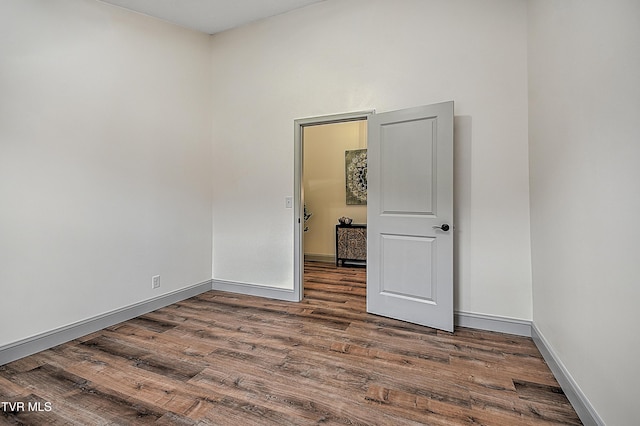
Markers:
<point>493,323</point>
<point>579,401</point>
<point>29,346</point>
<point>49,339</point>
<point>255,290</point>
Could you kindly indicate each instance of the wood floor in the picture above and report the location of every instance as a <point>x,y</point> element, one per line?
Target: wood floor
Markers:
<point>225,359</point>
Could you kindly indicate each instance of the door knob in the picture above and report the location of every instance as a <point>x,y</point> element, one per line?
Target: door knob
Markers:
<point>443,227</point>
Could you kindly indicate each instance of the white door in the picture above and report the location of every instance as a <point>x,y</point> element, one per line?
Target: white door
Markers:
<point>410,215</point>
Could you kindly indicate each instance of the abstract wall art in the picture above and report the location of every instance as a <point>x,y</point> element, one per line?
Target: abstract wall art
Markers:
<point>356,176</point>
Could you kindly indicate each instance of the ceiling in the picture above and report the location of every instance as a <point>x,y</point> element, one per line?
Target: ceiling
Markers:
<point>211,16</point>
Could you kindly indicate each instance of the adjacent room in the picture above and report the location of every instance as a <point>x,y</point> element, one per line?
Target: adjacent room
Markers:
<point>334,171</point>
<point>153,184</point>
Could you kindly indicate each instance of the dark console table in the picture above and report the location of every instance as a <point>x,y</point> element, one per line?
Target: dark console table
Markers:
<point>351,243</point>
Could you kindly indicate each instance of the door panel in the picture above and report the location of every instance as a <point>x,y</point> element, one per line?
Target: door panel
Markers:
<point>410,195</point>
<point>407,159</point>
<point>404,272</point>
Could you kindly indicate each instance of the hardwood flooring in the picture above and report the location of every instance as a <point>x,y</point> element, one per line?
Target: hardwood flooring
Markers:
<point>227,359</point>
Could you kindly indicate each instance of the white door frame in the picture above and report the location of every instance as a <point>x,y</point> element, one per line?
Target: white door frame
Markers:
<point>298,193</point>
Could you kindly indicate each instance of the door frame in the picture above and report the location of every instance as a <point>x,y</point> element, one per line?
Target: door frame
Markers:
<point>298,190</point>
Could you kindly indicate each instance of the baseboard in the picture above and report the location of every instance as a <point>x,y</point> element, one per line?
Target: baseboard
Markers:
<point>49,339</point>
<point>29,346</point>
<point>255,290</point>
<point>493,323</point>
<point>326,258</point>
<point>579,401</point>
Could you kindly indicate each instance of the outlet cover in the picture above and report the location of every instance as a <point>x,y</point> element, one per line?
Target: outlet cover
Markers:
<point>155,282</point>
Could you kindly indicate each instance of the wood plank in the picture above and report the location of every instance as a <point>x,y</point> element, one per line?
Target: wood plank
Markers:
<point>228,359</point>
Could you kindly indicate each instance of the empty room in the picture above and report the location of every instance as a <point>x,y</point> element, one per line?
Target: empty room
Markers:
<point>157,167</point>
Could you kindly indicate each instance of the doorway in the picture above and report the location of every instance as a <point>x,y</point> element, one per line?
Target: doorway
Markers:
<point>321,145</point>
<point>409,212</point>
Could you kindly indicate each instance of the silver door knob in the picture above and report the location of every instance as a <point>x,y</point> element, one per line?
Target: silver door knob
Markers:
<point>444,227</point>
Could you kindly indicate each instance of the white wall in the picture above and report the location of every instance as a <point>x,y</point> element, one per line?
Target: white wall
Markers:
<point>324,183</point>
<point>105,157</point>
<point>344,56</point>
<point>105,172</point>
<point>584,63</point>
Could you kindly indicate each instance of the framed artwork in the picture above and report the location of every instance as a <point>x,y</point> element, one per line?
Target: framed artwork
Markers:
<point>356,176</point>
